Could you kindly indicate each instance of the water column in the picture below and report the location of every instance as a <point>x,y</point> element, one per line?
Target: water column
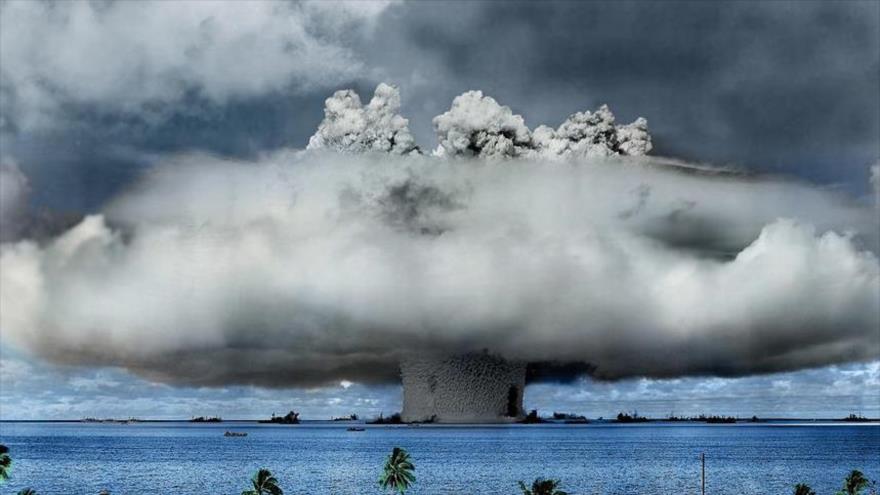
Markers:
<point>468,388</point>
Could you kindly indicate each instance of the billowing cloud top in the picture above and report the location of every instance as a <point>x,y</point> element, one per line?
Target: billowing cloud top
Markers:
<point>307,267</point>
<point>350,127</point>
<point>477,125</point>
<point>594,134</point>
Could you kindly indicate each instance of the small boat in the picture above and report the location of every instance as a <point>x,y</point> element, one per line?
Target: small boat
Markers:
<point>356,428</point>
<point>235,434</point>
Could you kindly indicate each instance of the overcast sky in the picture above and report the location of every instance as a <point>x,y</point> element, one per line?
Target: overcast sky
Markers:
<point>93,95</point>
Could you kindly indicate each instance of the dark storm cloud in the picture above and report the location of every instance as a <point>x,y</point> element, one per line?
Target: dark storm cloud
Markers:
<point>80,166</point>
<point>780,86</point>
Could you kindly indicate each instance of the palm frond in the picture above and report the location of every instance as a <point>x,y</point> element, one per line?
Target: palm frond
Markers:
<point>854,483</point>
<point>398,471</point>
<point>5,464</point>
<point>264,483</point>
<point>542,486</point>
<point>803,489</point>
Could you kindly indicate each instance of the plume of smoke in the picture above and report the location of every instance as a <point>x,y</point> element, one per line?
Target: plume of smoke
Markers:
<point>309,267</point>
<point>350,127</point>
<point>477,125</point>
<point>586,134</point>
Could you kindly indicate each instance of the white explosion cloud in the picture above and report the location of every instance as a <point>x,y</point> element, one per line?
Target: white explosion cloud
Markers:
<point>139,56</point>
<point>314,267</point>
<point>478,126</point>
<point>586,134</point>
<point>350,127</point>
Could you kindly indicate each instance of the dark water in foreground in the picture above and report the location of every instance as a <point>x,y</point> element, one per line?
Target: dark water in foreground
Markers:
<point>184,458</point>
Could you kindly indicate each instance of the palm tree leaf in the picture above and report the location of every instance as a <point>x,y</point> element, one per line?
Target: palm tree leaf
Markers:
<point>264,483</point>
<point>854,483</point>
<point>397,473</point>
<point>5,462</point>
<point>803,489</point>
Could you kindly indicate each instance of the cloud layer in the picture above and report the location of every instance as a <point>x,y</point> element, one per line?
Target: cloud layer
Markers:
<point>148,56</point>
<point>307,268</point>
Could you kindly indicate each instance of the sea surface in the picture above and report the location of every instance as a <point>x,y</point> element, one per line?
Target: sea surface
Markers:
<point>324,458</point>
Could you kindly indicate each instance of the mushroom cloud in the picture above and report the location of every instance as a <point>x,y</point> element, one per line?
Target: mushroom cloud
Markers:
<point>566,245</point>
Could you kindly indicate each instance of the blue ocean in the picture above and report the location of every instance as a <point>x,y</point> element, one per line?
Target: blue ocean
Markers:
<point>318,458</point>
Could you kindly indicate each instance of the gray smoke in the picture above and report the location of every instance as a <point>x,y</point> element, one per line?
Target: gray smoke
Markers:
<point>474,126</point>
<point>478,126</point>
<point>305,268</point>
<point>351,127</point>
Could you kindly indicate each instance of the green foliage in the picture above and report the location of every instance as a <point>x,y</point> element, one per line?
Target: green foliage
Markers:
<point>803,489</point>
<point>397,474</point>
<point>854,483</point>
<point>5,463</point>
<point>264,484</point>
<point>542,486</point>
<point>27,491</point>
